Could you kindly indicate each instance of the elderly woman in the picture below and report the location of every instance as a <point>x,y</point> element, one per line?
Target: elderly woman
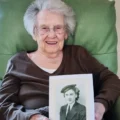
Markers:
<point>25,89</point>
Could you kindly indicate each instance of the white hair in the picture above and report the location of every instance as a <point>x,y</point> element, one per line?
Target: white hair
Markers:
<point>51,5</point>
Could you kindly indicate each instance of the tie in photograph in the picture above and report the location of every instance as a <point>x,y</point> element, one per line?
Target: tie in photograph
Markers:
<point>68,113</point>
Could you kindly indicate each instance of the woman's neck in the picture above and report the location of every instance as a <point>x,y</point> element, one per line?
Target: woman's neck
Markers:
<point>49,56</point>
<point>48,61</point>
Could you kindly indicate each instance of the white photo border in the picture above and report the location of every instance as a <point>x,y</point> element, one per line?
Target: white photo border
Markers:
<point>84,80</point>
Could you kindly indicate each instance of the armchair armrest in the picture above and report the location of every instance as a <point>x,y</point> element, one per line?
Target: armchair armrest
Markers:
<point>116,110</point>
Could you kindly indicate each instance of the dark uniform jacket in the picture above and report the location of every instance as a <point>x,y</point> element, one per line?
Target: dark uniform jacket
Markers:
<point>78,112</point>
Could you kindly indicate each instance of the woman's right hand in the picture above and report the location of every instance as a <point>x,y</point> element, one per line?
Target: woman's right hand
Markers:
<point>99,111</point>
<point>38,117</point>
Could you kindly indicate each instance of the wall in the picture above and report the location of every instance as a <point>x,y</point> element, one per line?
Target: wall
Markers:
<point>117,5</point>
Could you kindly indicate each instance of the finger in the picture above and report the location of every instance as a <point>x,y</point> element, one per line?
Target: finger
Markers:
<point>42,118</point>
<point>45,118</point>
<point>97,116</point>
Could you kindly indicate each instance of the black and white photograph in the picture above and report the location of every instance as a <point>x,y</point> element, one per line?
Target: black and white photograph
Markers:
<point>71,97</point>
<point>72,107</point>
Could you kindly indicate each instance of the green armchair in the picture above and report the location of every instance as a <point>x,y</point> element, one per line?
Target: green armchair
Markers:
<point>95,31</point>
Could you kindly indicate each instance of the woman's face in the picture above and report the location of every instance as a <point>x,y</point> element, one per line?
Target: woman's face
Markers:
<point>50,32</point>
<point>70,96</point>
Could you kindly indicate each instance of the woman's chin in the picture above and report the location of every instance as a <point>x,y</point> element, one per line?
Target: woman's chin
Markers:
<point>52,51</point>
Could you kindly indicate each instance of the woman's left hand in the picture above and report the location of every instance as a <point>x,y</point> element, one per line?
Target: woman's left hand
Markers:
<point>38,117</point>
<point>99,111</point>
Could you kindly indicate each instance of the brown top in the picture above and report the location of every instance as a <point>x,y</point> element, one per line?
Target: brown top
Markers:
<point>25,87</point>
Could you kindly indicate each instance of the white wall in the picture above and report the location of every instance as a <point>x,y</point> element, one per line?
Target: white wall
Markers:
<point>117,5</point>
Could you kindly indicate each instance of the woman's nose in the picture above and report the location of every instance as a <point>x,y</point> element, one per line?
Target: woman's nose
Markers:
<point>51,33</point>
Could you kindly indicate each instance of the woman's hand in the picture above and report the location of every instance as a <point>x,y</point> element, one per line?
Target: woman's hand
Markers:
<point>38,117</point>
<point>99,111</point>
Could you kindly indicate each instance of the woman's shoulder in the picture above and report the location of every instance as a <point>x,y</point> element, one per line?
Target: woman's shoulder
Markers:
<point>75,48</point>
<point>16,61</point>
<point>18,56</point>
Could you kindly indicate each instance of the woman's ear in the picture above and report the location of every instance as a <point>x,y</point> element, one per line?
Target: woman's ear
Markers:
<point>75,95</point>
<point>34,37</point>
<point>66,36</point>
<point>34,33</point>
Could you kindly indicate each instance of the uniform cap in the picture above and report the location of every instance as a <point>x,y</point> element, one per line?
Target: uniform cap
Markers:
<point>68,87</point>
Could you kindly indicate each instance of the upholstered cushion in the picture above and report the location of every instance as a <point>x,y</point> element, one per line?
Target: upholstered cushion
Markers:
<point>13,36</point>
<point>95,30</point>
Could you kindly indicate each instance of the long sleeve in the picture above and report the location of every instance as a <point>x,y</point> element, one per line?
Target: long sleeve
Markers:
<point>106,83</point>
<point>10,107</point>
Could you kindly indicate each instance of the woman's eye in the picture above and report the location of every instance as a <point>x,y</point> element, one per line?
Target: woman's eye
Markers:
<point>58,27</point>
<point>45,28</point>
